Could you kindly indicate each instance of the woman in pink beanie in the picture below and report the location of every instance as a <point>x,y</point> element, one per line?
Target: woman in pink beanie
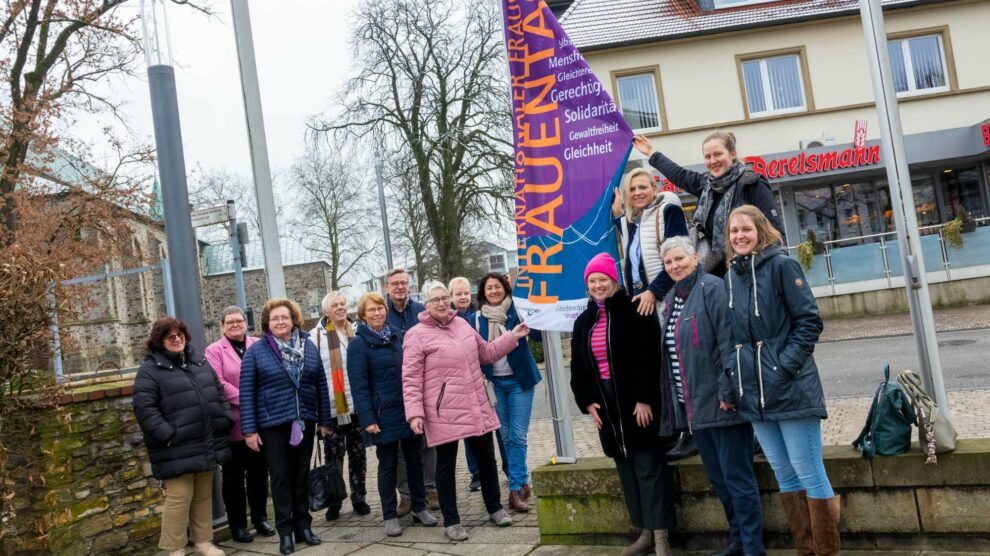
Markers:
<point>616,378</point>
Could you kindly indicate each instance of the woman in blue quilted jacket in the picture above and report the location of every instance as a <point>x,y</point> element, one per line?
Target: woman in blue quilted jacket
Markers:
<point>284,396</point>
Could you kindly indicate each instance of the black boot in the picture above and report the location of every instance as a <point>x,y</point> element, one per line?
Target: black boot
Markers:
<point>360,506</point>
<point>307,536</point>
<point>264,528</point>
<point>685,448</point>
<point>241,534</point>
<point>333,512</point>
<point>285,544</point>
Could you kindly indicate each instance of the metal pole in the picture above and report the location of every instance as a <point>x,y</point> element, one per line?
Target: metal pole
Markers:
<point>56,343</point>
<point>259,148</point>
<point>560,410</point>
<point>167,287</point>
<point>175,200</point>
<point>381,205</point>
<point>902,200</point>
<point>235,247</point>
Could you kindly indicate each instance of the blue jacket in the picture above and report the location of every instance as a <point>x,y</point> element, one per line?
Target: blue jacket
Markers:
<point>408,318</point>
<point>520,359</point>
<point>775,326</point>
<point>704,351</point>
<point>374,368</point>
<point>269,397</point>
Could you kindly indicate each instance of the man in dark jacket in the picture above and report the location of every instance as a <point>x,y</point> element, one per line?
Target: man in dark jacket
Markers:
<point>403,314</point>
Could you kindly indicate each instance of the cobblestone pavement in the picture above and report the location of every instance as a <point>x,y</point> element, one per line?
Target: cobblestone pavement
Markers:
<point>363,535</point>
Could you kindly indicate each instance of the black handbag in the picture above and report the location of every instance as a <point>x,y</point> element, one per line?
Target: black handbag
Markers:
<point>326,484</point>
<point>887,431</point>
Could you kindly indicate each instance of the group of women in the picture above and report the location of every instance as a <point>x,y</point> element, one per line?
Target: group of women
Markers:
<point>254,406</point>
<point>729,354</point>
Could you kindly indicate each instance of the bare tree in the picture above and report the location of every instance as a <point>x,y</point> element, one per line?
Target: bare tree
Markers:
<point>431,77</point>
<point>334,211</point>
<point>215,186</point>
<point>406,207</point>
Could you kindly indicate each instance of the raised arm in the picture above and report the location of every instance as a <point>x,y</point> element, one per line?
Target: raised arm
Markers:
<point>490,352</point>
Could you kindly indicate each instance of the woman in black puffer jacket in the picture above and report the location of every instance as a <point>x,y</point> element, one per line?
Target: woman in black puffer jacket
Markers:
<point>185,418</point>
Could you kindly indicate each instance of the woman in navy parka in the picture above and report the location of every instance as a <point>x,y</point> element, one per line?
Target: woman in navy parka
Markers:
<point>775,326</point>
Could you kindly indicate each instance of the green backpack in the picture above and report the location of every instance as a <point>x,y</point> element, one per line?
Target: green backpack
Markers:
<point>887,431</point>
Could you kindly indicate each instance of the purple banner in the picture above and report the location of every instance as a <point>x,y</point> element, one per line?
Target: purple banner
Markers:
<point>571,145</point>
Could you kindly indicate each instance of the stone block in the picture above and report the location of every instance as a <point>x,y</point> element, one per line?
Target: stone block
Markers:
<point>110,542</point>
<point>700,513</point>
<point>955,510</point>
<point>880,511</point>
<point>966,465</point>
<point>846,468</point>
<point>144,528</point>
<point>595,513</point>
<point>691,475</point>
<point>589,476</point>
<point>121,520</point>
<point>774,520</point>
<point>96,524</point>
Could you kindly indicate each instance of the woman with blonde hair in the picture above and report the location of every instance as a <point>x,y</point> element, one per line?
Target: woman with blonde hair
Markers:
<point>332,334</point>
<point>775,327</point>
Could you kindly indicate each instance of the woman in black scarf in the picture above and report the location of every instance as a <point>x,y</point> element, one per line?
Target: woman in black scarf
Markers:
<point>728,184</point>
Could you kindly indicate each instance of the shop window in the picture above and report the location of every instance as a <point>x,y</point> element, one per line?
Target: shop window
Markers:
<point>962,189</point>
<point>925,201</point>
<point>638,100</point>
<point>774,85</point>
<point>918,65</point>
<point>862,211</point>
<point>815,209</point>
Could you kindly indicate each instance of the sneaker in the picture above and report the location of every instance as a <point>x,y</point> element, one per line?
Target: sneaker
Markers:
<point>405,506</point>
<point>456,533</point>
<point>392,527</point>
<point>207,549</point>
<point>475,484</point>
<point>500,518</point>
<point>432,500</point>
<point>424,517</point>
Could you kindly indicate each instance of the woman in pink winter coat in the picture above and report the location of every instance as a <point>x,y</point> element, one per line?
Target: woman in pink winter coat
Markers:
<point>445,398</point>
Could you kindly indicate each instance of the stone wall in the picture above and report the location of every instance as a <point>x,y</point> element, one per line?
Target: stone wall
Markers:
<point>888,503</point>
<point>88,481</point>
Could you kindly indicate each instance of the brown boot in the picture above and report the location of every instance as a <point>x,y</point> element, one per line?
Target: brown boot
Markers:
<point>825,525</point>
<point>798,521</point>
<point>516,502</point>
<point>643,544</point>
<point>662,542</point>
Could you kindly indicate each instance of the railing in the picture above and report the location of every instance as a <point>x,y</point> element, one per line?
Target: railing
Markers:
<point>874,261</point>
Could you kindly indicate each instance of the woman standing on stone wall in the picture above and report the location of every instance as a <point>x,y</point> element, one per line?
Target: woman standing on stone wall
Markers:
<point>185,419</point>
<point>616,377</point>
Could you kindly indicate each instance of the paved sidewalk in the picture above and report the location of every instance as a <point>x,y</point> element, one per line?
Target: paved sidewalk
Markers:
<point>363,535</point>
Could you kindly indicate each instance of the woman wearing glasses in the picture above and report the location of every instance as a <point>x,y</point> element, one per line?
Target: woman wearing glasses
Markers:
<point>284,395</point>
<point>185,419</point>
<point>446,399</point>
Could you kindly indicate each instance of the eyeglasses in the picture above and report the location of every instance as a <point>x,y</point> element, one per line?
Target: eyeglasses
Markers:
<point>233,322</point>
<point>279,319</point>
<point>439,300</point>
<point>175,337</point>
<point>397,284</point>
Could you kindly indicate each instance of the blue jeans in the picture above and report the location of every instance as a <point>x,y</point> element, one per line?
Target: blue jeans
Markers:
<point>794,450</point>
<point>472,463</point>
<point>514,407</point>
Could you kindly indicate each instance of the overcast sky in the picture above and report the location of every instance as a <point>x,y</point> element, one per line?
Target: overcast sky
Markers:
<point>303,58</point>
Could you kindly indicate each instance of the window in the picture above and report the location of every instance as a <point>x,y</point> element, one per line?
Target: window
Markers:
<point>496,262</point>
<point>638,99</point>
<point>734,3</point>
<point>962,190</point>
<point>918,64</point>
<point>774,85</point>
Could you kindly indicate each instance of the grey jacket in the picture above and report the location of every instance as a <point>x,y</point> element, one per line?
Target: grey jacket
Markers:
<point>705,351</point>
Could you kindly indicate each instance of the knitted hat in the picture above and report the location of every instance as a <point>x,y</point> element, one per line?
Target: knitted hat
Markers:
<point>604,263</point>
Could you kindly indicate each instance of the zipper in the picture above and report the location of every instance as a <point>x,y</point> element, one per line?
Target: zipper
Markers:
<point>739,371</point>
<point>694,331</point>
<point>440,397</point>
<point>680,361</point>
<point>618,406</point>
<point>759,374</point>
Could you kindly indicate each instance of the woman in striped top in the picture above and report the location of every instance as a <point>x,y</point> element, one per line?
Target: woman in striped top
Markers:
<point>616,378</point>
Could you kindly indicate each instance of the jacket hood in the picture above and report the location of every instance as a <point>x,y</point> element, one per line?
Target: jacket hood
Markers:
<point>425,318</point>
<point>743,265</point>
<point>162,360</point>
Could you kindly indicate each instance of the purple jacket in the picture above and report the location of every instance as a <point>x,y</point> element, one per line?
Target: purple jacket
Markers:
<point>227,365</point>
<point>442,380</point>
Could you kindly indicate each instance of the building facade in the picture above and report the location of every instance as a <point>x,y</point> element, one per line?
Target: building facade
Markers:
<point>792,81</point>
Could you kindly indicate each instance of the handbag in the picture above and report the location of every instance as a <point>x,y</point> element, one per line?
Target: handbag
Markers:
<point>326,484</point>
<point>707,258</point>
<point>887,431</point>
<point>489,387</point>
<point>936,434</point>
